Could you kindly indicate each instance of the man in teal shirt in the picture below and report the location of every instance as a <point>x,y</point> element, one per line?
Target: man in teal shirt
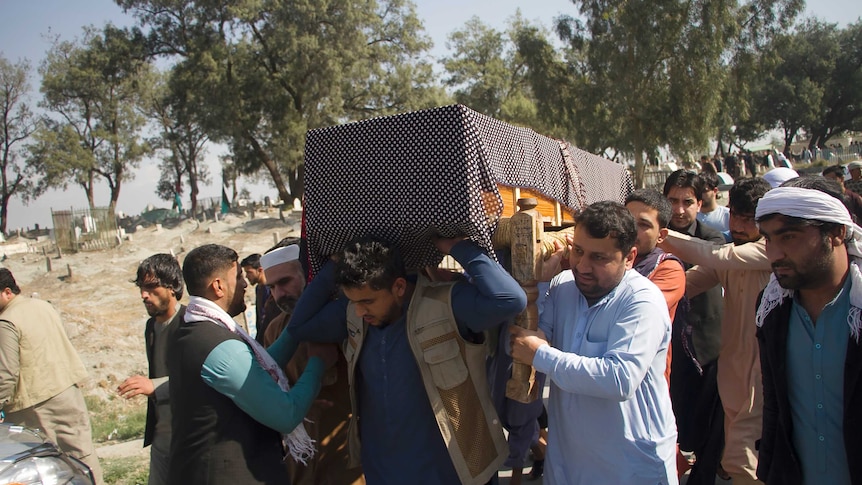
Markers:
<point>809,324</point>
<point>231,410</point>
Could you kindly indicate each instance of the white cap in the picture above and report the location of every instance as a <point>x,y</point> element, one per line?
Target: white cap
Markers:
<point>775,177</point>
<point>279,256</point>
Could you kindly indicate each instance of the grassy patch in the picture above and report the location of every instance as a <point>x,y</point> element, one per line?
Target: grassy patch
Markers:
<point>116,419</point>
<point>126,471</point>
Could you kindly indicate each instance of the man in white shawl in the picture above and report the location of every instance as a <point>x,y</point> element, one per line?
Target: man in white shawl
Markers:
<point>809,323</point>
<point>232,409</point>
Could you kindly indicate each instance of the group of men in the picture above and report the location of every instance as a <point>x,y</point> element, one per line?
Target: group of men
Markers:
<point>655,334</point>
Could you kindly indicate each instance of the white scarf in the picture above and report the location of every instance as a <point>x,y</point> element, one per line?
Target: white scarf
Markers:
<point>814,205</point>
<point>297,442</point>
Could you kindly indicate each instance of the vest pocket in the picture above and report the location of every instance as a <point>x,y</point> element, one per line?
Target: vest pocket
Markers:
<point>446,364</point>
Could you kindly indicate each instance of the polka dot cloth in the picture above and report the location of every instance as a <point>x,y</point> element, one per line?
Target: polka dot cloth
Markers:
<point>408,177</point>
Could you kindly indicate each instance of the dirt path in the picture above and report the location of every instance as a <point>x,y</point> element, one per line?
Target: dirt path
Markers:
<point>101,308</point>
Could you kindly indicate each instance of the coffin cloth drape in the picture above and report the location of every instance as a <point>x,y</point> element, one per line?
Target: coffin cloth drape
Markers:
<point>407,177</point>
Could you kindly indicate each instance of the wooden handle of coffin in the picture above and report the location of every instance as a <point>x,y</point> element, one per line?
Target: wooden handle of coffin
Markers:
<point>526,230</point>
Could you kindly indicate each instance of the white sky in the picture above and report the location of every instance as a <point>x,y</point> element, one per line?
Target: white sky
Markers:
<point>27,25</point>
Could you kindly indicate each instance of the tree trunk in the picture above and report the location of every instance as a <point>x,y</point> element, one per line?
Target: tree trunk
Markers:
<point>640,168</point>
<point>4,211</point>
<point>272,167</point>
<point>88,188</point>
<point>789,135</point>
<point>193,188</point>
<point>296,182</point>
<point>6,194</point>
<point>115,190</point>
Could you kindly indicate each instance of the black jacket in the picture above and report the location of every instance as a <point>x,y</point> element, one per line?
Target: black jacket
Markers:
<point>150,340</point>
<point>213,441</point>
<point>778,463</point>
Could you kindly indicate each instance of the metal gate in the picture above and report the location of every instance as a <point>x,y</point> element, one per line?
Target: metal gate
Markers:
<point>85,229</point>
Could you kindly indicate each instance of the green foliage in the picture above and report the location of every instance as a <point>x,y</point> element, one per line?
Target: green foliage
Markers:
<point>842,88</point>
<point>126,471</point>
<point>116,419</point>
<point>263,72</point>
<point>639,75</point>
<point>181,136</point>
<point>17,123</point>
<point>92,92</point>
<point>490,75</point>
<point>808,80</point>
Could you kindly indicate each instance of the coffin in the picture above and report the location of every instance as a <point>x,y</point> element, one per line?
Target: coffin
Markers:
<point>445,171</point>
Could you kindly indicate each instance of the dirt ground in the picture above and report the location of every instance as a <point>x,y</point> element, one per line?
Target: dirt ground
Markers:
<point>101,308</point>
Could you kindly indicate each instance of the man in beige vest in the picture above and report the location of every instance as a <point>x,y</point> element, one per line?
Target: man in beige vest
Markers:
<point>39,372</point>
<point>416,360</point>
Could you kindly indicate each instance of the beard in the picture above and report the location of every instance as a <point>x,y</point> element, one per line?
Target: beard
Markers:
<point>155,310</point>
<point>286,303</point>
<point>237,305</point>
<point>807,275</point>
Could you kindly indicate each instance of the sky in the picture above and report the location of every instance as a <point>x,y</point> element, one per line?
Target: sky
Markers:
<point>27,28</point>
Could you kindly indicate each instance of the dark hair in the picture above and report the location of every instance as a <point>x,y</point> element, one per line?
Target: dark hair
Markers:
<point>652,198</point>
<point>369,261</point>
<point>744,194</point>
<point>202,263</point>
<point>165,269</point>
<point>252,260</point>
<point>834,170</point>
<point>284,243</point>
<point>8,281</point>
<point>609,219</point>
<point>814,182</point>
<point>686,179</point>
<point>709,179</point>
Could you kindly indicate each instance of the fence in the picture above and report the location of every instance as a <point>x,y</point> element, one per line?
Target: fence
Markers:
<point>85,229</point>
<point>655,179</point>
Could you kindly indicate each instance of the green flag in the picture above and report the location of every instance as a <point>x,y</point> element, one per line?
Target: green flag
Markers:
<point>225,203</point>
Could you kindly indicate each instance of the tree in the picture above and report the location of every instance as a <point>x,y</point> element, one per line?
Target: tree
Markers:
<point>490,75</point>
<point>842,97</point>
<point>181,135</point>
<point>269,71</point>
<point>93,92</point>
<point>793,73</point>
<point>647,74</point>
<point>16,126</point>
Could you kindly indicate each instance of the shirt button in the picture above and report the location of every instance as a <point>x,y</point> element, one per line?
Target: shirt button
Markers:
<point>817,346</point>
<point>578,335</point>
<point>817,376</point>
<point>819,406</point>
<point>822,438</point>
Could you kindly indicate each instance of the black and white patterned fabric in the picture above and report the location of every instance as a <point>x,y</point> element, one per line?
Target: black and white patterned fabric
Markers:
<point>408,177</point>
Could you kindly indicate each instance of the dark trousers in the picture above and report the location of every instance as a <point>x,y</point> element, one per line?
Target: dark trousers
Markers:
<point>699,415</point>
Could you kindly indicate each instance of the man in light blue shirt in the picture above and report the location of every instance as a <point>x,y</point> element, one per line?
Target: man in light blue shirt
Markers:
<point>602,341</point>
<point>710,213</point>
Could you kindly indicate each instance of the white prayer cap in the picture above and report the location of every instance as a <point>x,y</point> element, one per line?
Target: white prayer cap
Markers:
<point>279,256</point>
<point>778,176</point>
<point>813,205</point>
<point>852,165</point>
